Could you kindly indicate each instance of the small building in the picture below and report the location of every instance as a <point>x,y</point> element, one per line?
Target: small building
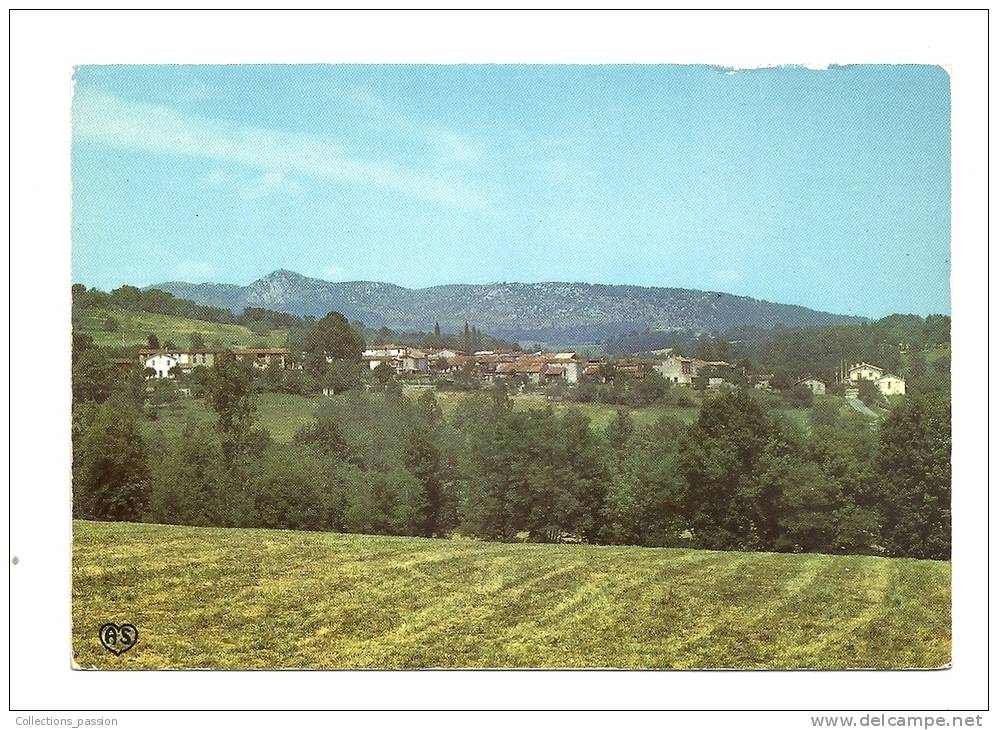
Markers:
<point>813,384</point>
<point>570,364</point>
<point>890,385</point>
<point>715,383</point>
<point>404,360</point>
<point>865,371</point>
<point>261,357</point>
<point>162,362</point>
<point>678,370</point>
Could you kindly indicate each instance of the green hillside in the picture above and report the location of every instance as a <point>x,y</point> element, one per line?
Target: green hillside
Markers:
<point>213,597</point>
<point>134,328</point>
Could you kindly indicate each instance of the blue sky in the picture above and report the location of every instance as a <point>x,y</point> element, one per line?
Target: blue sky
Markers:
<point>823,188</point>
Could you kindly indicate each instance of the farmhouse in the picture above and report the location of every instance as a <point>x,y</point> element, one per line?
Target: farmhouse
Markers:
<point>261,357</point>
<point>571,366</point>
<point>679,370</point>
<point>865,371</point>
<point>890,385</point>
<point>813,384</point>
<point>163,361</point>
<point>886,383</point>
<point>538,367</point>
<point>404,360</point>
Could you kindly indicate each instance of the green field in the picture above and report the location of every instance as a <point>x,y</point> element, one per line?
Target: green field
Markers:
<point>282,414</point>
<point>279,413</point>
<point>134,328</point>
<point>227,598</point>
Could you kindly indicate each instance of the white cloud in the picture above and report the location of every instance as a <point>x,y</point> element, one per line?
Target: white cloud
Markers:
<point>158,129</point>
<point>194,269</point>
<point>335,273</point>
<point>727,276</point>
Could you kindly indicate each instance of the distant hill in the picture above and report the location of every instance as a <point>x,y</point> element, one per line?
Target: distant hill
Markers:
<point>546,311</point>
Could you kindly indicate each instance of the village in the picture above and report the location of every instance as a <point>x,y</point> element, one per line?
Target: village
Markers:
<point>431,367</point>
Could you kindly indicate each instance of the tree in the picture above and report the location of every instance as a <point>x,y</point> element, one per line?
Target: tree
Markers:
<point>324,434</point>
<point>197,341</point>
<point>467,346</point>
<point>801,396</point>
<point>110,481</point>
<point>914,475</point>
<point>422,459</point>
<point>332,338</point>
<point>720,460</point>
<point>228,391</point>
<point>869,393</point>
<point>191,485</point>
<point>383,373</point>
<point>436,330</point>
<point>620,430</point>
<point>93,376</point>
<point>110,324</point>
<point>153,342</point>
<point>342,375</point>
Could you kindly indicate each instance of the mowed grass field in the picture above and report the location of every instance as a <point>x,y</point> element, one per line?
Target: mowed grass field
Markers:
<point>134,328</point>
<point>235,598</point>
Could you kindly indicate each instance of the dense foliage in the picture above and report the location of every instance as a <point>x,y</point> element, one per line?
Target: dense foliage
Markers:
<point>738,478</point>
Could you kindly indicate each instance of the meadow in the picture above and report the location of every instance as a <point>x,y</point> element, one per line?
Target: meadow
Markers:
<point>283,414</point>
<point>254,598</point>
<point>134,328</point>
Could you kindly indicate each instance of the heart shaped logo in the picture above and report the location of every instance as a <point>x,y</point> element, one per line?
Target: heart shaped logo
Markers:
<point>118,639</point>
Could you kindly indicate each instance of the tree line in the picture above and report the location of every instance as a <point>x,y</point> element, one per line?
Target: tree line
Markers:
<point>738,478</point>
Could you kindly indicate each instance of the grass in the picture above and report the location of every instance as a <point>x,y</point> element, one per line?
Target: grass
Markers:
<point>599,414</point>
<point>279,413</point>
<point>134,328</point>
<point>283,414</point>
<point>248,598</point>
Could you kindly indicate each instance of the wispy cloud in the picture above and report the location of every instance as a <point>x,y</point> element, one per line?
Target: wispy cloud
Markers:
<point>334,273</point>
<point>113,121</point>
<point>250,187</point>
<point>727,276</point>
<point>448,146</point>
<point>193,269</point>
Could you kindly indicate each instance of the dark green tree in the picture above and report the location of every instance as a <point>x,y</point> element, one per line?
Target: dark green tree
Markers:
<point>110,481</point>
<point>93,376</point>
<point>228,393</point>
<point>914,477</point>
<point>422,459</point>
<point>332,338</point>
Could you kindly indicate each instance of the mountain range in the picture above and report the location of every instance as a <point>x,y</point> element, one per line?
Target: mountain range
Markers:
<point>545,311</point>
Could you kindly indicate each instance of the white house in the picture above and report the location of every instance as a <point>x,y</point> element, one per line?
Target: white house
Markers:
<point>678,370</point>
<point>865,371</point>
<point>572,367</point>
<point>401,358</point>
<point>161,361</point>
<point>890,385</point>
<point>813,384</point>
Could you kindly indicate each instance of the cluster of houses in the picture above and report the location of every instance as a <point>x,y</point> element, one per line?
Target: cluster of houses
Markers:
<point>165,363</point>
<point>885,382</point>
<point>488,366</point>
